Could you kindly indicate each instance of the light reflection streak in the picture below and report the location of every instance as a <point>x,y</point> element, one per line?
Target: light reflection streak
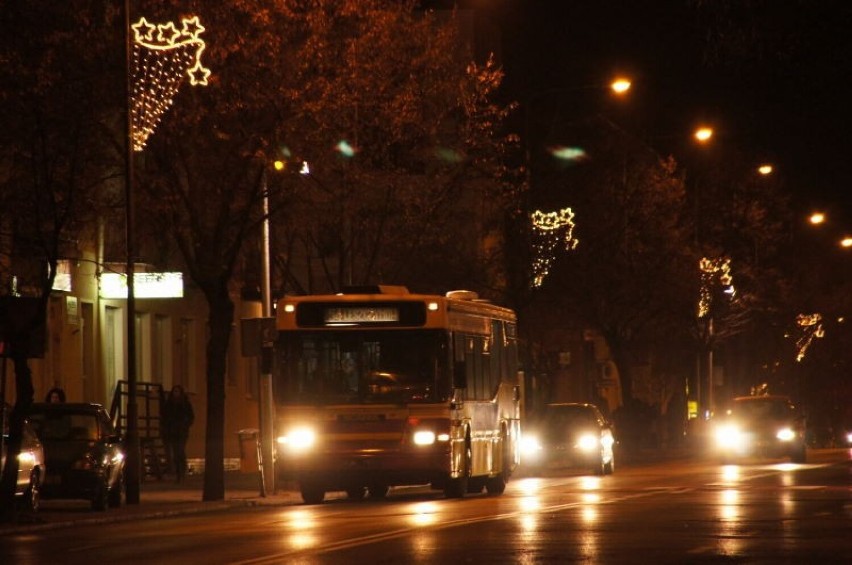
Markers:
<point>424,513</point>
<point>530,504</point>
<point>731,473</point>
<point>530,486</point>
<point>590,514</point>
<point>529,523</point>
<point>591,497</point>
<point>301,519</point>
<point>590,483</point>
<point>730,543</point>
<point>589,545</point>
<point>303,541</point>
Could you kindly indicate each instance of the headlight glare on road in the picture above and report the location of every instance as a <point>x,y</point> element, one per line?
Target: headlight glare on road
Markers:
<point>785,434</point>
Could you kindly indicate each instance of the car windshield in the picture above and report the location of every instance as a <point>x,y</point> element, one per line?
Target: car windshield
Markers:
<point>758,409</point>
<point>569,417</point>
<point>52,426</point>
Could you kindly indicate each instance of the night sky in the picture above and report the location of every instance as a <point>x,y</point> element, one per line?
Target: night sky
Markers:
<point>771,76</point>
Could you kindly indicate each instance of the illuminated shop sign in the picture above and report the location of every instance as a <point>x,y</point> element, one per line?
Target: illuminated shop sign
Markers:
<point>145,285</point>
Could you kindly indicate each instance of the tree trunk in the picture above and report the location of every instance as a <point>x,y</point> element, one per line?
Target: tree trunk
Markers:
<point>24,399</point>
<point>221,309</point>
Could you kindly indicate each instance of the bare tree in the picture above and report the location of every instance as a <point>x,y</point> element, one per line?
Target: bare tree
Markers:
<point>365,92</point>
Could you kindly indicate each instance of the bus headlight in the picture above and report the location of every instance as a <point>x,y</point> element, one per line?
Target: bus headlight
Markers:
<point>785,434</point>
<point>298,439</point>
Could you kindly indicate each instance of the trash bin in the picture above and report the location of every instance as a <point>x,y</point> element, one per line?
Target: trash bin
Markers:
<point>249,450</point>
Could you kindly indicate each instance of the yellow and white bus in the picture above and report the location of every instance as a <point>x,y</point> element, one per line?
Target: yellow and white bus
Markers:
<point>377,387</point>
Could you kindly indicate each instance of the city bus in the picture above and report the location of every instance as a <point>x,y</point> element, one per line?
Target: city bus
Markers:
<point>378,387</point>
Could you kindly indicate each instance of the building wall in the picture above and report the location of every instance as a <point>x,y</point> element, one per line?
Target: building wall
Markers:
<point>86,352</point>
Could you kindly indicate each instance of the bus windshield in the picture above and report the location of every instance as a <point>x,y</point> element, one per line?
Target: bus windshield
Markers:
<point>369,367</point>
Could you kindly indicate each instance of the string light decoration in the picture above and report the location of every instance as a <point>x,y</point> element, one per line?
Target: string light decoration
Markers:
<point>162,55</point>
<point>811,325</point>
<point>710,268</point>
<point>551,230</point>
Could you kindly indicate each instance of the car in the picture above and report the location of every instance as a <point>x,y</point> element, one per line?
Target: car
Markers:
<point>761,426</point>
<point>31,466</point>
<point>84,453</point>
<point>569,435</point>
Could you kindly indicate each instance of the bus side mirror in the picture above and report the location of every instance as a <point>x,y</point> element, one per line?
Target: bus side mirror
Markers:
<point>459,374</point>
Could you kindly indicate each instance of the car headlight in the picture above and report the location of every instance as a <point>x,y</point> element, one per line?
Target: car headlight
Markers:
<point>424,437</point>
<point>729,436</point>
<point>531,446</point>
<point>298,439</point>
<point>849,438</point>
<point>785,434</point>
<point>588,442</point>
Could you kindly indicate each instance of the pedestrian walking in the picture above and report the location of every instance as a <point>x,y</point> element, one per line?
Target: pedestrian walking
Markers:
<point>177,417</point>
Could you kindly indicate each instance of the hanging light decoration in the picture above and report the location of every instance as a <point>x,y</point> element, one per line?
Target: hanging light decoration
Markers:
<point>162,55</point>
<point>711,268</point>
<point>551,231</point>
<point>811,325</point>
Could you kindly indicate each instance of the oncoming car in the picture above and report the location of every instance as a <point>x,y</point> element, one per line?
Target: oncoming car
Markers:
<point>569,435</point>
<point>762,426</point>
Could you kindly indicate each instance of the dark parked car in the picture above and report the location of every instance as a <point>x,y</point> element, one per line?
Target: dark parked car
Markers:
<point>761,426</point>
<point>30,464</point>
<point>84,453</point>
<point>569,435</point>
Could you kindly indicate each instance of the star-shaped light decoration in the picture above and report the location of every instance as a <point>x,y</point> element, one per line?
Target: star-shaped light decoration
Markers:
<point>551,230</point>
<point>162,55</point>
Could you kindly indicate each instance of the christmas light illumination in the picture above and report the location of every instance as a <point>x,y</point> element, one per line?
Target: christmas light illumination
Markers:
<point>162,55</point>
<point>811,325</point>
<point>550,230</point>
<point>711,268</point>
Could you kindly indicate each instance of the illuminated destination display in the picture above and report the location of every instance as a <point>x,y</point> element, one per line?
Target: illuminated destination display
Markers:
<point>360,314</point>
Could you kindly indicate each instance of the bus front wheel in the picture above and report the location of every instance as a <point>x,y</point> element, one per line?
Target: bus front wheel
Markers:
<point>457,487</point>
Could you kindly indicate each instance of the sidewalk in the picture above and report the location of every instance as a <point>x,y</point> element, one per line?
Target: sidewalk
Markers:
<point>157,499</point>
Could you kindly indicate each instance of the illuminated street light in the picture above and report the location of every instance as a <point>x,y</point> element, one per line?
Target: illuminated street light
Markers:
<point>703,134</point>
<point>620,85</point>
<point>765,169</point>
<point>817,218</point>
<point>846,242</point>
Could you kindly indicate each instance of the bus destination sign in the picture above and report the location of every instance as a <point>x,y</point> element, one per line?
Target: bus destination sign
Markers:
<point>361,314</point>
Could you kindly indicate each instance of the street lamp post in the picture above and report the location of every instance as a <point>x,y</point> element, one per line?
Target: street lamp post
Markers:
<point>133,460</point>
<point>266,408</point>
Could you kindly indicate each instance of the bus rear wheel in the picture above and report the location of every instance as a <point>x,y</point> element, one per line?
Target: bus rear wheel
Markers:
<point>312,493</point>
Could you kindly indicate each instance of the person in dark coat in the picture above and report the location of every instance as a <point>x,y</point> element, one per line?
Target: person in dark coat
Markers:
<point>177,417</point>
<point>55,394</point>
